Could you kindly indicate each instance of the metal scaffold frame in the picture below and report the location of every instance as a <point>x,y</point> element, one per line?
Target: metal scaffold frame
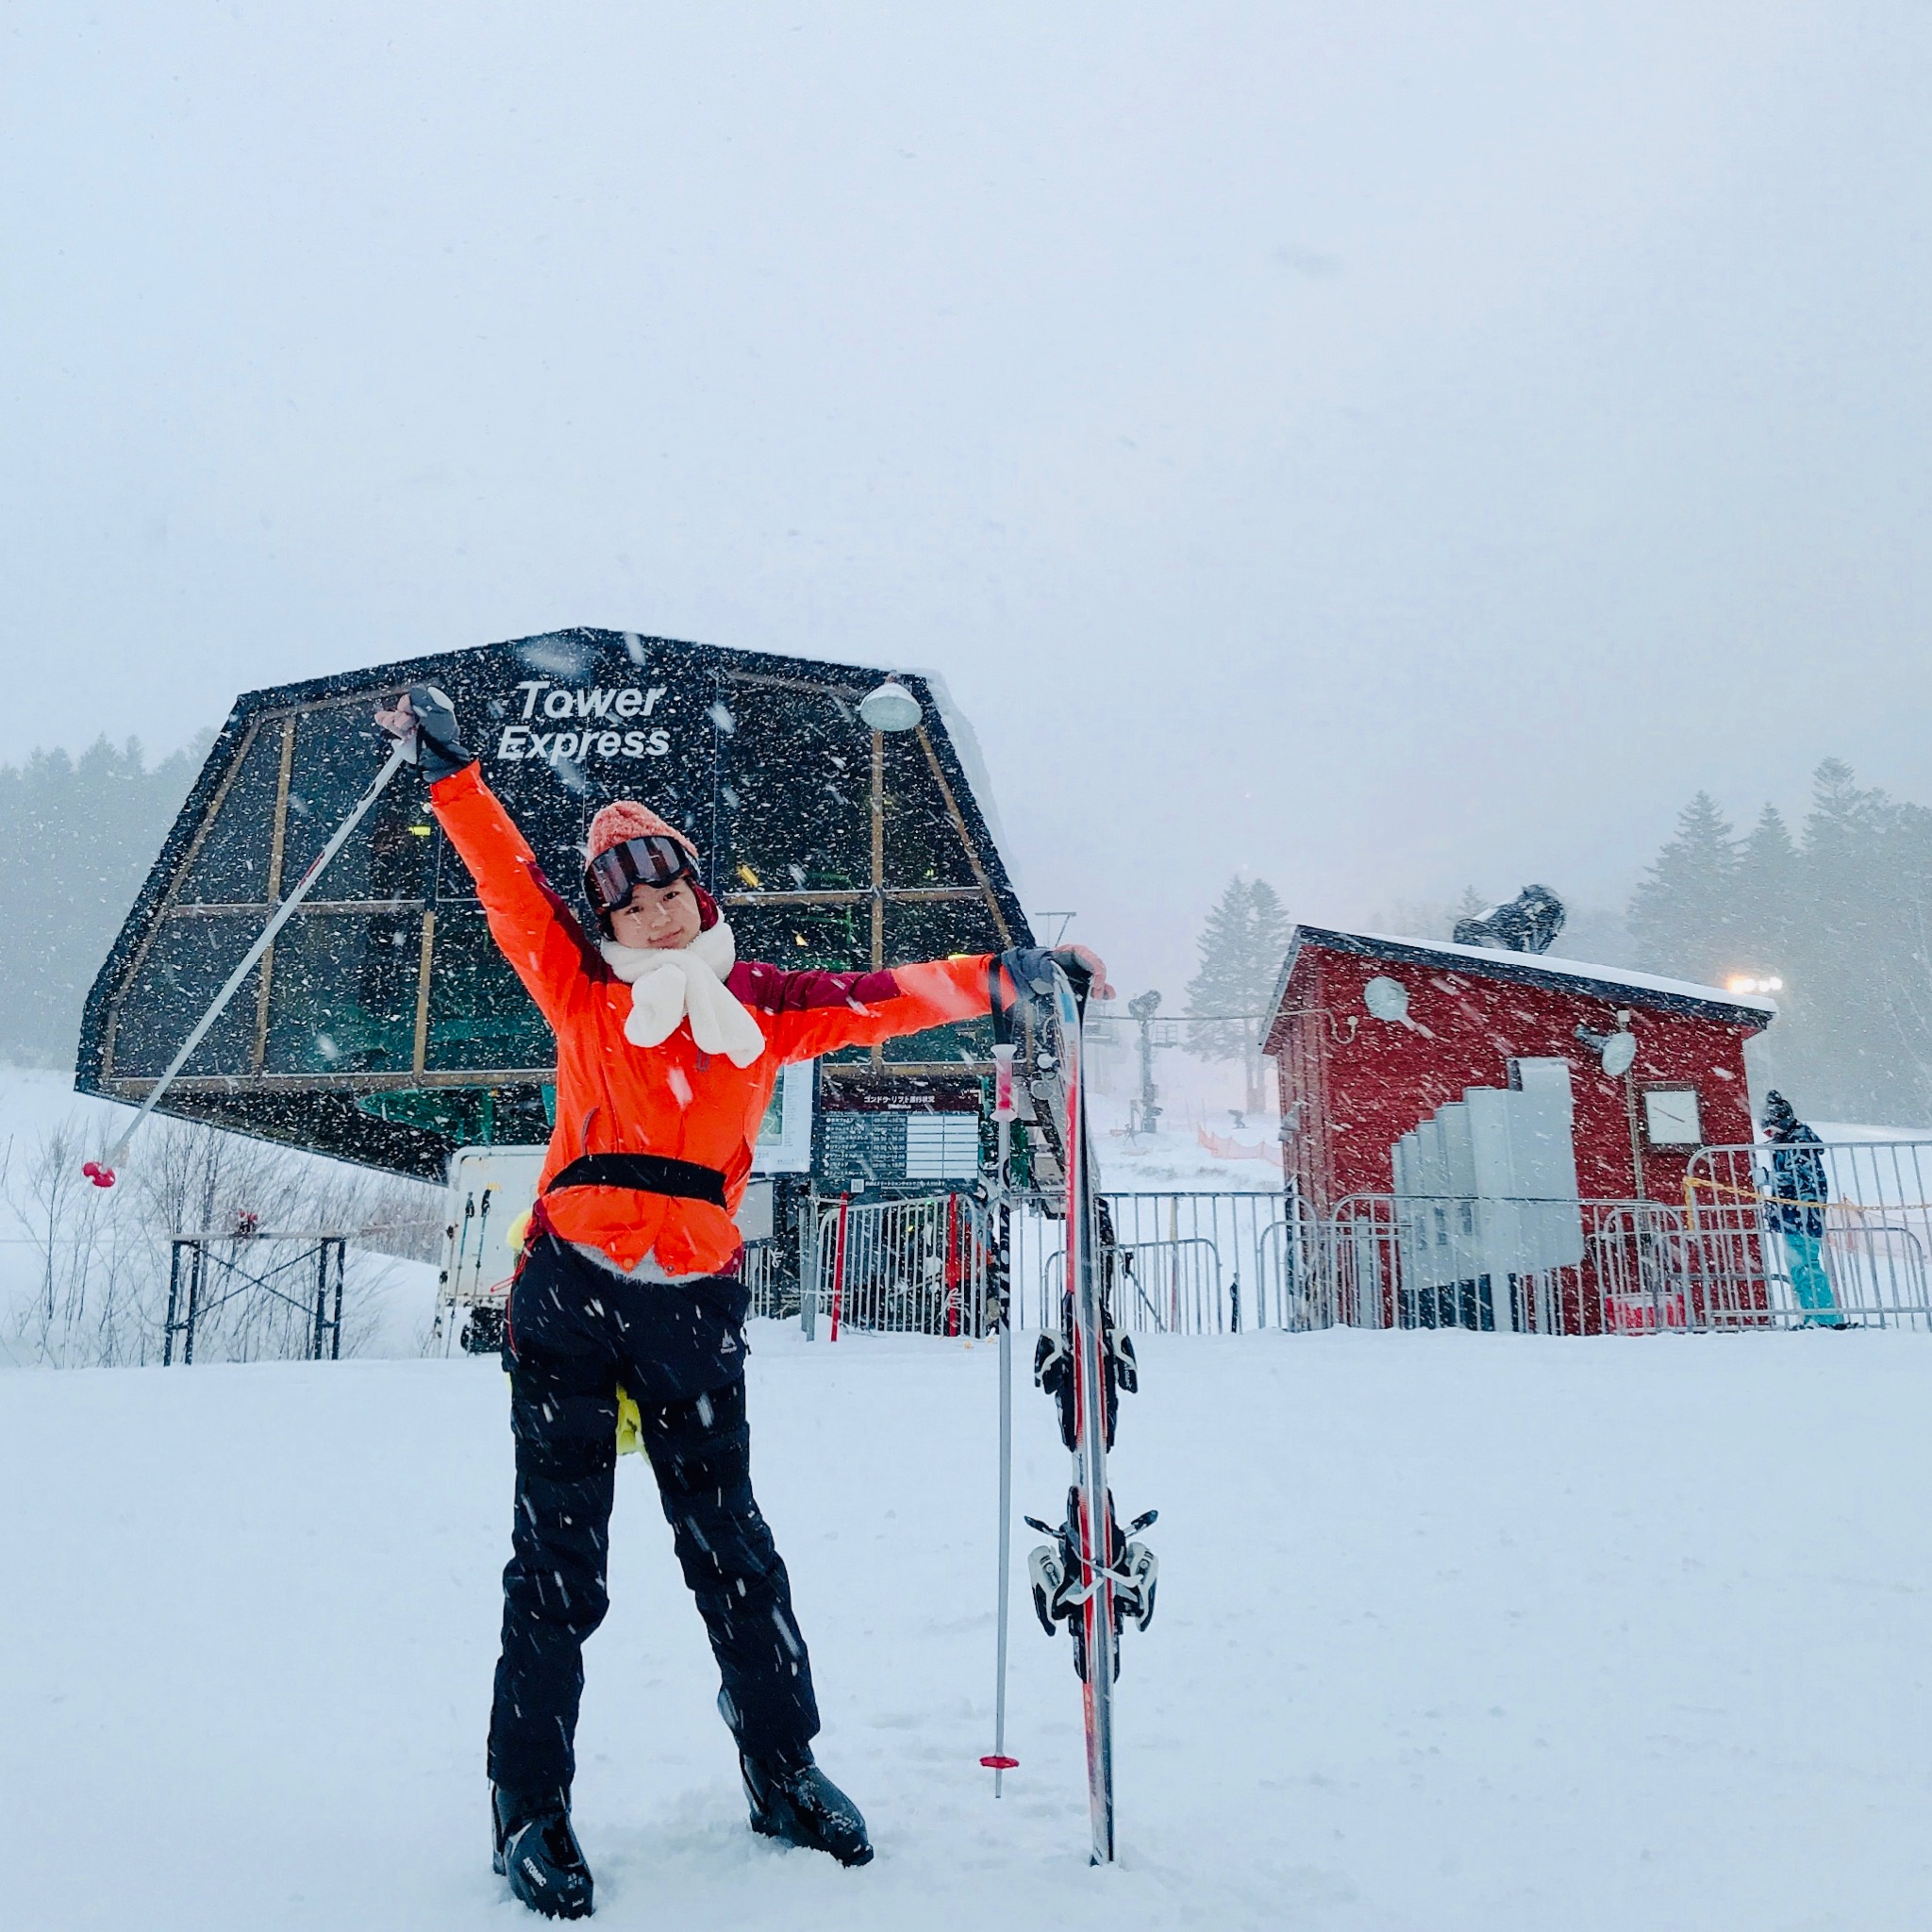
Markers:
<point>209,1272</point>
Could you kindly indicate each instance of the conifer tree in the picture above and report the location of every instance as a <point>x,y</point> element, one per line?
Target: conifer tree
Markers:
<point>1904,972</point>
<point>1850,1036</point>
<point>1767,892</point>
<point>76,838</point>
<point>1684,912</point>
<point>1843,916</point>
<point>1242,948</point>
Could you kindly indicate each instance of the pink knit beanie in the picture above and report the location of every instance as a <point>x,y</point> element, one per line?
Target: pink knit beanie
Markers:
<point>625,818</point>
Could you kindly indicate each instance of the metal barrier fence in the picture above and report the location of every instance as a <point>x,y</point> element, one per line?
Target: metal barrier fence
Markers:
<point>763,1268</point>
<point>1817,1234</point>
<point>1176,1263</point>
<point>1383,1261</point>
<point>1183,1264</point>
<point>1722,1260</point>
<point>920,1266</point>
<point>1190,1262</point>
<point>1168,1287</point>
<point>282,1291</point>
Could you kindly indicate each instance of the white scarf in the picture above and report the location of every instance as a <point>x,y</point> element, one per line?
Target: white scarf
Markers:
<point>668,986</point>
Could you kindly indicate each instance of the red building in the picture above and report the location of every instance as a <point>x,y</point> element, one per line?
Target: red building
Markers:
<point>1372,1036</point>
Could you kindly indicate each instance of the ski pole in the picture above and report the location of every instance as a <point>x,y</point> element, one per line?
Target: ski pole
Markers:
<point>102,1172</point>
<point>999,1763</point>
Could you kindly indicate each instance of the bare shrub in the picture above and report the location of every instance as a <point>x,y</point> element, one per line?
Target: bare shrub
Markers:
<point>97,1288</point>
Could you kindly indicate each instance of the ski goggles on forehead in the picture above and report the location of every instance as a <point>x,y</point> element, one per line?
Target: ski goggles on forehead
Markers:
<point>653,861</point>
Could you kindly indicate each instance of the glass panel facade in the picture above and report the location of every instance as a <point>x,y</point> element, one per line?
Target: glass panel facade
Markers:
<point>926,931</point>
<point>571,722</point>
<point>966,1040</point>
<point>771,778</point>
<point>935,929</point>
<point>799,820</point>
<point>231,868</point>
<point>835,938</point>
<point>469,1116</point>
<point>342,996</point>
<point>923,845</point>
<point>184,970</point>
<point>337,752</point>
<point>479,1014</point>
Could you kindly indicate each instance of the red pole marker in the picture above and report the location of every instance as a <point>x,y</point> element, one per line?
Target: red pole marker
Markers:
<point>101,1176</point>
<point>998,1763</point>
<point>838,1268</point>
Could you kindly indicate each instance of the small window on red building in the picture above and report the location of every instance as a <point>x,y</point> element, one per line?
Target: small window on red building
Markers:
<point>1669,1117</point>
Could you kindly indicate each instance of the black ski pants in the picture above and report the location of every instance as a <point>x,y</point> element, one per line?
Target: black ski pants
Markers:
<point>575,1331</point>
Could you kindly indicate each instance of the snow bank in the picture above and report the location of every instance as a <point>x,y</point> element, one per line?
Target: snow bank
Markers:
<point>1455,1632</point>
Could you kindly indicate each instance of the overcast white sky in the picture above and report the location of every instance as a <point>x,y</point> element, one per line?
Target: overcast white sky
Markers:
<point>1381,445</point>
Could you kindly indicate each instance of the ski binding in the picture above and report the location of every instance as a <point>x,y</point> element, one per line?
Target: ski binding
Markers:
<point>1059,1593</point>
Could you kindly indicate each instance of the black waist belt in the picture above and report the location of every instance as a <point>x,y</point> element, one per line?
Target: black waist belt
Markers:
<point>649,1173</point>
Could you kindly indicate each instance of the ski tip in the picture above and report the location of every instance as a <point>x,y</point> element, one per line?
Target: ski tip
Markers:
<point>101,1175</point>
<point>997,1763</point>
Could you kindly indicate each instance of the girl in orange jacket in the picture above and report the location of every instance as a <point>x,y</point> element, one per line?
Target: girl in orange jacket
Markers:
<point>668,1047</point>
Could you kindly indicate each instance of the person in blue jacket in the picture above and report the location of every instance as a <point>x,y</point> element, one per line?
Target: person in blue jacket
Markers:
<point>1796,1207</point>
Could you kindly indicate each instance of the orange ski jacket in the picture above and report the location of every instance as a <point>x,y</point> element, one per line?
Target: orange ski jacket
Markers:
<point>671,1100</point>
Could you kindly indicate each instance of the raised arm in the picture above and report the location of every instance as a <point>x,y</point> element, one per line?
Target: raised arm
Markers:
<point>537,932</point>
<point>532,926</point>
<point>805,1014</point>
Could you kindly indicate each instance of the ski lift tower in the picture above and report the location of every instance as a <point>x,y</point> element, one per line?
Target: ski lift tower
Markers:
<point>1142,1008</point>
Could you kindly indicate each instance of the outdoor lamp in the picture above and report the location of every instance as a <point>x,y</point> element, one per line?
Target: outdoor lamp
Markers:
<point>890,708</point>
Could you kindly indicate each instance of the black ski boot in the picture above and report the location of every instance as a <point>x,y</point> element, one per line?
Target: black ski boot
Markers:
<point>796,1801</point>
<point>539,1854</point>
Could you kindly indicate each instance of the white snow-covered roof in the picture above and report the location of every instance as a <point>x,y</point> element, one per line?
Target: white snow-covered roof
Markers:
<point>1536,969</point>
<point>1602,976</point>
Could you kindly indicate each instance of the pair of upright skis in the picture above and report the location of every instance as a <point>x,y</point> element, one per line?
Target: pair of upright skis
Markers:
<point>1090,1576</point>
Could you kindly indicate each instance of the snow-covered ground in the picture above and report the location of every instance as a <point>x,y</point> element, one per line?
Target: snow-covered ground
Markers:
<point>37,1100</point>
<point>1455,1631</point>
<point>1174,1158</point>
